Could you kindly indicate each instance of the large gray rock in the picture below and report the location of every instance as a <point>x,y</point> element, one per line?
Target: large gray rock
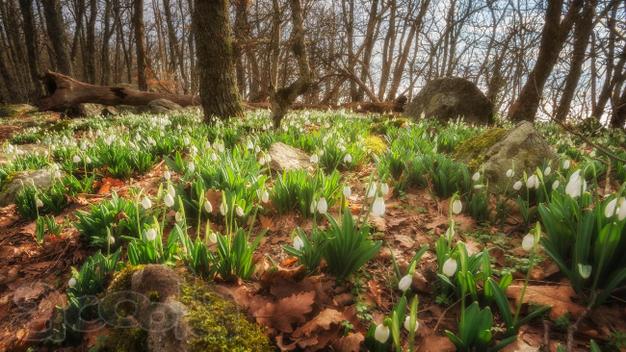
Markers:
<point>90,109</point>
<point>41,178</point>
<point>162,106</point>
<point>521,149</point>
<point>285,157</point>
<point>449,98</point>
<point>12,110</point>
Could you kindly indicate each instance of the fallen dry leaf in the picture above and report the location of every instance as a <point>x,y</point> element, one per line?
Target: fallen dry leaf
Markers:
<point>557,297</point>
<point>349,343</point>
<point>282,314</point>
<point>373,289</point>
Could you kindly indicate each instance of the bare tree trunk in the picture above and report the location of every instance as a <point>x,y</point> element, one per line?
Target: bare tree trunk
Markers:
<point>30,37</point>
<point>175,51</point>
<point>368,44</point>
<point>619,112</point>
<point>388,46</point>
<point>56,33</point>
<point>282,98</point>
<point>90,62</point>
<point>214,47</point>
<point>552,38</point>
<point>105,76</point>
<point>140,44</point>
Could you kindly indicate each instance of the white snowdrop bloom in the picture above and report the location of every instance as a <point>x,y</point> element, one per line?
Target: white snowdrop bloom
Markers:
<point>178,216</point>
<point>457,207</point>
<point>621,213</point>
<point>250,145</point>
<point>407,324</point>
<point>239,211</point>
<point>168,200</point>
<point>566,164</point>
<point>449,267</point>
<point>72,282</point>
<point>265,196</point>
<point>223,208</point>
<point>186,140</point>
<point>207,144</point>
<point>191,167</point>
<point>479,186</point>
<point>76,159</point>
<point>517,185</point>
<point>450,232</point>
<point>384,189</point>
<point>405,282</point>
<point>257,149</point>
<point>476,176</point>
<point>314,159</point>
<point>528,242</point>
<point>208,207</point>
<point>108,140</point>
<point>547,171</point>
<point>213,237</point>
<point>151,141</point>
<point>371,192</point>
<point>171,190</point>
<point>38,203</point>
<point>193,150</point>
<point>381,334</point>
<point>347,191</point>
<point>313,206</point>
<point>576,185</point>
<point>219,146</point>
<point>347,159</point>
<point>584,271</point>
<point>111,240</point>
<point>322,205</point>
<point>378,207</point>
<point>146,203</point>
<point>298,244</point>
<point>150,234</point>
<point>167,175</point>
<point>510,173</point>
<point>532,182</point>
<point>592,154</point>
<point>611,208</point>
<point>556,184</point>
<point>213,157</point>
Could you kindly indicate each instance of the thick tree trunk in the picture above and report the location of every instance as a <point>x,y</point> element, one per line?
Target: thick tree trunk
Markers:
<point>552,38</point>
<point>368,44</point>
<point>90,62</point>
<point>140,45</point>
<point>215,53</point>
<point>582,33</point>
<point>56,33</point>
<point>28,25</point>
<point>65,92</point>
<point>619,112</point>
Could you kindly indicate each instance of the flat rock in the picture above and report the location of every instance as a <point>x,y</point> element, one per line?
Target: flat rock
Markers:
<point>286,157</point>
<point>522,148</point>
<point>162,106</point>
<point>40,178</point>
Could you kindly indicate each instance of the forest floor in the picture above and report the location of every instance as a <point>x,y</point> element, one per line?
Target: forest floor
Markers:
<point>140,156</point>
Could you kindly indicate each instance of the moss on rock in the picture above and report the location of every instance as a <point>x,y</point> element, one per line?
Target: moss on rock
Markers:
<point>375,145</point>
<point>473,150</point>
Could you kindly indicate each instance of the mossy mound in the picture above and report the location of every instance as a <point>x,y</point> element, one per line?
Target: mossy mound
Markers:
<point>382,125</point>
<point>13,110</point>
<point>473,150</point>
<point>217,324</point>
<point>375,145</point>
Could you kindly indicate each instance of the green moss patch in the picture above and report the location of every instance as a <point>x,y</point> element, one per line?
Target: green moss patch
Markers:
<point>472,151</point>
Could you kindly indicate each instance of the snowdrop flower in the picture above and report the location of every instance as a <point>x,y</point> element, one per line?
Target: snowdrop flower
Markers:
<point>347,159</point>
<point>168,200</point>
<point>547,171</point>
<point>347,191</point>
<point>223,208</point>
<point>239,211</point>
<point>405,282</point>
<point>371,192</point>
<point>556,184</point>
<point>532,182</point>
<point>479,186</point>
<point>510,173</point>
<point>213,237</point>
<point>88,160</point>
<point>621,213</point>
<point>219,146</point>
<point>111,240</point>
<point>171,190</point>
<point>322,206</point>
<point>378,207</point>
<point>476,176</point>
<point>208,207</point>
<point>576,185</point>
<point>207,144</point>
<point>566,164</point>
<point>146,203</point>
<point>517,185</point>
<point>381,334</point>
<point>178,216</point>
<point>313,206</point>
<point>584,271</point>
<point>76,159</point>
<point>457,207</point>
<point>528,242</point>
<point>314,159</point>
<point>151,234</point>
<point>612,208</point>
<point>186,140</point>
<point>298,244</point>
<point>265,196</point>
<point>384,189</point>
<point>449,267</point>
<point>407,324</point>
<point>38,203</point>
<point>450,232</point>
<point>250,145</point>
<point>71,283</point>
<point>191,167</point>
<point>167,175</point>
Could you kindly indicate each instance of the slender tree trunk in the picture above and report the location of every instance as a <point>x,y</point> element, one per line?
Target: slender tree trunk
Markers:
<point>30,37</point>
<point>368,45</point>
<point>552,38</point>
<point>388,46</point>
<point>140,45</point>
<point>214,47</point>
<point>618,119</point>
<point>105,75</point>
<point>56,33</point>
<point>90,62</point>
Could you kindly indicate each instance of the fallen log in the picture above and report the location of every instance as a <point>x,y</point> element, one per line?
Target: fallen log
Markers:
<point>65,92</point>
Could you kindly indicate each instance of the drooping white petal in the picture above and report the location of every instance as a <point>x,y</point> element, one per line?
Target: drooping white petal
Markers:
<point>322,206</point>
<point>517,185</point>
<point>528,242</point>
<point>146,203</point>
<point>405,282</point>
<point>298,243</point>
<point>378,207</point>
<point>584,271</point>
<point>381,334</point>
<point>407,324</point>
<point>347,191</point>
<point>457,207</point>
<point>449,267</point>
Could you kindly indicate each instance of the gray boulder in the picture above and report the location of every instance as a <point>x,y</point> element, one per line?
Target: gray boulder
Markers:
<point>522,148</point>
<point>12,110</point>
<point>162,106</point>
<point>285,157</point>
<point>41,178</point>
<point>449,98</point>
